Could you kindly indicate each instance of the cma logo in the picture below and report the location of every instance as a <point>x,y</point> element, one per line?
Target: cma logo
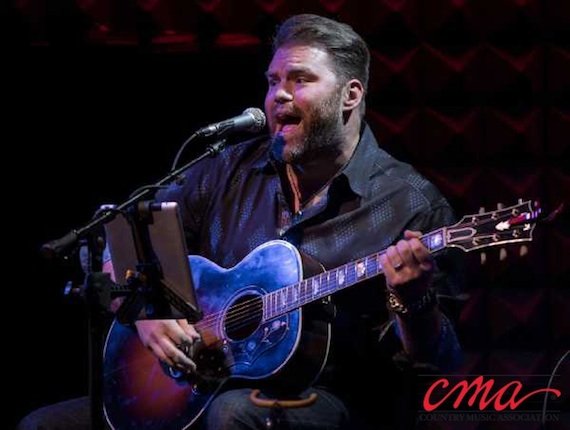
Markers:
<point>485,392</point>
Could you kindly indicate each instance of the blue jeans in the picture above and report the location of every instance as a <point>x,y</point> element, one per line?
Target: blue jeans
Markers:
<point>74,414</point>
<point>232,409</point>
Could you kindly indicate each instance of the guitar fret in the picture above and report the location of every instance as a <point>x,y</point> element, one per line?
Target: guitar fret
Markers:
<point>282,299</point>
<point>274,309</point>
<point>354,277</point>
<point>360,269</point>
<point>341,276</point>
<point>350,273</point>
<point>267,306</point>
<point>274,303</point>
<point>435,240</point>
<point>371,269</point>
<point>295,293</point>
<point>323,282</point>
<point>378,263</point>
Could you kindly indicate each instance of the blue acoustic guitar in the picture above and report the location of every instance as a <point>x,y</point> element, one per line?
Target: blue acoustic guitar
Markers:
<point>261,322</point>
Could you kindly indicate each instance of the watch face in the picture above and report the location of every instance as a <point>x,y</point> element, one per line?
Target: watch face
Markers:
<point>395,305</point>
<point>426,302</point>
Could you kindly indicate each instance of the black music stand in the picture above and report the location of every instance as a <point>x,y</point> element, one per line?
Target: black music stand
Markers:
<point>149,295</point>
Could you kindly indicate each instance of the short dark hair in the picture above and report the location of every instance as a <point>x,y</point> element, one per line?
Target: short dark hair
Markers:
<point>348,51</point>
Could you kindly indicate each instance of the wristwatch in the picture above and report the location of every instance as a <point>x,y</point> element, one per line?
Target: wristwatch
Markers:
<point>419,306</point>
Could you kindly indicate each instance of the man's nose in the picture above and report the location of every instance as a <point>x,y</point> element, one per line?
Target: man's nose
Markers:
<point>283,95</point>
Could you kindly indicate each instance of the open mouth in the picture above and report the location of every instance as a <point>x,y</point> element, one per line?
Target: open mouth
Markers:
<point>286,122</point>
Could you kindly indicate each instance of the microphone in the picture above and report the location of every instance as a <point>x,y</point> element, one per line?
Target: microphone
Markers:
<point>56,248</point>
<point>252,119</point>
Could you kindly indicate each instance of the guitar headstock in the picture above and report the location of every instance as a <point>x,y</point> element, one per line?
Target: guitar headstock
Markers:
<point>513,224</point>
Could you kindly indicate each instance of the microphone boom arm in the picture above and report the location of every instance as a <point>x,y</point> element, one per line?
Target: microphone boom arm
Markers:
<point>63,246</point>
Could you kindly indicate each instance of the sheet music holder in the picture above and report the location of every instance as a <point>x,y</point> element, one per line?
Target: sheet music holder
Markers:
<point>150,258</point>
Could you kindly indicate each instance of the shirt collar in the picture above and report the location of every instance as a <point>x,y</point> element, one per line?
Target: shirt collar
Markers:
<point>361,165</point>
<point>358,170</point>
<point>262,160</point>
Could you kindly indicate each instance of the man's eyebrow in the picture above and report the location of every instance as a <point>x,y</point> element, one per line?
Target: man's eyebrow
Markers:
<point>294,70</point>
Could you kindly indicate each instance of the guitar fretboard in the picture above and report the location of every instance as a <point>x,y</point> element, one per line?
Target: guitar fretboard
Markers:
<point>316,287</point>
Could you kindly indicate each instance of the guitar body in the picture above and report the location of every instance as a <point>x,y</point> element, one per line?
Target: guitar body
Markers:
<point>240,340</point>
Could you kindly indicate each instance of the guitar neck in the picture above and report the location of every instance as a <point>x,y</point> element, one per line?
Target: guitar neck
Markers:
<point>502,226</point>
<point>324,284</point>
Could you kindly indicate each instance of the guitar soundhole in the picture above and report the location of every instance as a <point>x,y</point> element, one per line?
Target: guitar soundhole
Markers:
<point>244,316</point>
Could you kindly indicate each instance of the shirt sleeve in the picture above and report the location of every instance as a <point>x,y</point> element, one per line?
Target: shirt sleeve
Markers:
<point>448,282</point>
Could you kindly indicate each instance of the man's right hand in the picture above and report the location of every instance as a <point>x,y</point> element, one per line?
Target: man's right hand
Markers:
<point>168,339</point>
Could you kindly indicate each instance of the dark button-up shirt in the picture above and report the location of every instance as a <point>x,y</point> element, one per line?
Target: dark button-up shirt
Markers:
<point>235,202</point>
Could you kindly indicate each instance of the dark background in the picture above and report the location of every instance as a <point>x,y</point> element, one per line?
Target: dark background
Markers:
<point>99,96</point>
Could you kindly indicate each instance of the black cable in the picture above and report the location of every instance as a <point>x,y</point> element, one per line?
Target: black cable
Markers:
<point>182,147</point>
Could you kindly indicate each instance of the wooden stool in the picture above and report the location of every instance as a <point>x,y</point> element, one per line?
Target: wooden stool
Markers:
<point>276,407</point>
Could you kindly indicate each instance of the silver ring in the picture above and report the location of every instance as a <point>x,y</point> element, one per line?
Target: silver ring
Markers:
<point>398,266</point>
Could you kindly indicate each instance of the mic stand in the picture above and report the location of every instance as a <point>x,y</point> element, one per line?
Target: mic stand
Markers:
<point>96,290</point>
<point>66,244</point>
<point>98,285</point>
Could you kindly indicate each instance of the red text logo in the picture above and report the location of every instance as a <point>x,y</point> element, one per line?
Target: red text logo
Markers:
<point>505,397</point>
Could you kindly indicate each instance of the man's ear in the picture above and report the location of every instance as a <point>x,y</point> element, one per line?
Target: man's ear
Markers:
<point>353,94</point>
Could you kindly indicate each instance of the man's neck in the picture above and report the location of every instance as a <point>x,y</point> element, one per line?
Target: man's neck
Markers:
<point>306,179</point>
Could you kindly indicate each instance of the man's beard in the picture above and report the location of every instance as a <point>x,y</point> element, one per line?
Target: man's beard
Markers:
<point>323,136</point>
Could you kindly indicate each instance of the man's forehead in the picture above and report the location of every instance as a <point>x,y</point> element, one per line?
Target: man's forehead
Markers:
<point>299,57</point>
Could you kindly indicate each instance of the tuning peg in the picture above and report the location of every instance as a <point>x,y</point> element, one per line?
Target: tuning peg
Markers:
<point>503,254</point>
<point>502,251</point>
<point>483,254</point>
<point>523,251</point>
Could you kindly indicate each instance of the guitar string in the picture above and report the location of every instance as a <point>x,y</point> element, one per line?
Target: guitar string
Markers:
<point>237,312</point>
<point>236,319</point>
<point>235,316</point>
<point>240,315</point>
<point>306,296</point>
